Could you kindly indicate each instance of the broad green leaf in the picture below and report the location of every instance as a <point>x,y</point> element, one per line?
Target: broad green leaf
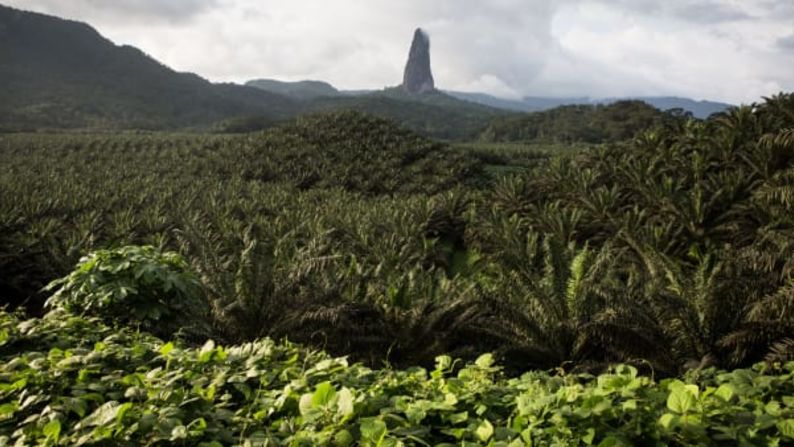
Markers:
<point>166,349</point>
<point>773,408</point>
<point>344,402</point>
<point>52,430</point>
<point>589,436</point>
<point>612,441</point>
<point>7,410</point>
<point>629,405</point>
<point>450,399</point>
<point>324,393</point>
<point>103,415</point>
<point>458,418</point>
<point>415,414</point>
<point>206,351</point>
<point>305,405</point>
<point>122,410</point>
<point>343,438</point>
<point>443,362</point>
<point>484,431</point>
<point>485,360</point>
<point>373,430</point>
<point>681,399</point>
<point>786,428</point>
<point>667,419</point>
<point>725,392</point>
<point>178,432</point>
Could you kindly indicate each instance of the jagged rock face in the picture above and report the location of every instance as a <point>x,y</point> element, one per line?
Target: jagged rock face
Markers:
<point>418,78</point>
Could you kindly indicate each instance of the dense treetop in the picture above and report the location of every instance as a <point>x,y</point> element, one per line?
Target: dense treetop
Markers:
<point>580,123</point>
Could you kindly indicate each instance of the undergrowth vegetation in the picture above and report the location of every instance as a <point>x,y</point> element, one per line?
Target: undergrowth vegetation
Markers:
<point>67,380</point>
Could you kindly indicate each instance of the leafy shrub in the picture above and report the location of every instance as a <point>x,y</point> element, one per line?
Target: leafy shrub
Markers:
<point>132,285</point>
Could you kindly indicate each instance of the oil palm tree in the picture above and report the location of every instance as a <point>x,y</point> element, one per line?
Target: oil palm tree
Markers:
<point>555,302</point>
<point>695,304</point>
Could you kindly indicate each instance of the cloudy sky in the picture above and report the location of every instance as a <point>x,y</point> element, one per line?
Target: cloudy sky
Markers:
<point>728,50</point>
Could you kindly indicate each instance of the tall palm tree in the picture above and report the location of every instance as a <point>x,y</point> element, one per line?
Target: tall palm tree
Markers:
<point>696,305</point>
<point>556,302</point>
<point>766,329</point>
<point>406,320</point>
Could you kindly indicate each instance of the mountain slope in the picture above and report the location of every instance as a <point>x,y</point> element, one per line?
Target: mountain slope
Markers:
<point>63,74</point>
<point>300,90</point>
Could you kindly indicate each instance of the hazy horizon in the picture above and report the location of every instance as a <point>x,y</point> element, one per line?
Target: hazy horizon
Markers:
<point>702,49</point>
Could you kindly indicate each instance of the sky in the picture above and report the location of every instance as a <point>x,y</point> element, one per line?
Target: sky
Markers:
<point>727,50</point>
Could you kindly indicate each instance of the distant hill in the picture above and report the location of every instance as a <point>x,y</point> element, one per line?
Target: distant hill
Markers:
<point>300,90</point>
<point>579,123</point>
<point>354,151</point>
<point>698,109</point>
<point>57,73</point>
<point>435,114</point>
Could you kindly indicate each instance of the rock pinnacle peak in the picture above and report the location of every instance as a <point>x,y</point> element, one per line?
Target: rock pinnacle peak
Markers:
<point>418,78</point>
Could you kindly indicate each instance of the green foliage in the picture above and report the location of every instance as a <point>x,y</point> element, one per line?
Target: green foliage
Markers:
<point>669,252</point>
<point>579,123</point>
<point>435,114</point>
<point>67,380</point>
<point>132,285</point>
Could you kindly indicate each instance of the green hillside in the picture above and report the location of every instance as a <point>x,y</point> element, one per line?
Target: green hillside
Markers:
<point>580,123</point>
<point>434,114</point>
<point>60,74</point>
<point>300,90</point>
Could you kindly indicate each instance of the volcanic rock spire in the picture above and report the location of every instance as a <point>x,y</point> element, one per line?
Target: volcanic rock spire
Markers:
<point>418,78</point>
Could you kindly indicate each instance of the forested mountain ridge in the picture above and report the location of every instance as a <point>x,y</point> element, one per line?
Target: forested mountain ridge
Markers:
<point>434,114</point>
<point>301,90</point>
<point>699,109</point>
<point>56,73</point>
<point>581,123</point>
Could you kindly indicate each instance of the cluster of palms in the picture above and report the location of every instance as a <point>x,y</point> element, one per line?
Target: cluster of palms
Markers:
<point>673,250</point>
